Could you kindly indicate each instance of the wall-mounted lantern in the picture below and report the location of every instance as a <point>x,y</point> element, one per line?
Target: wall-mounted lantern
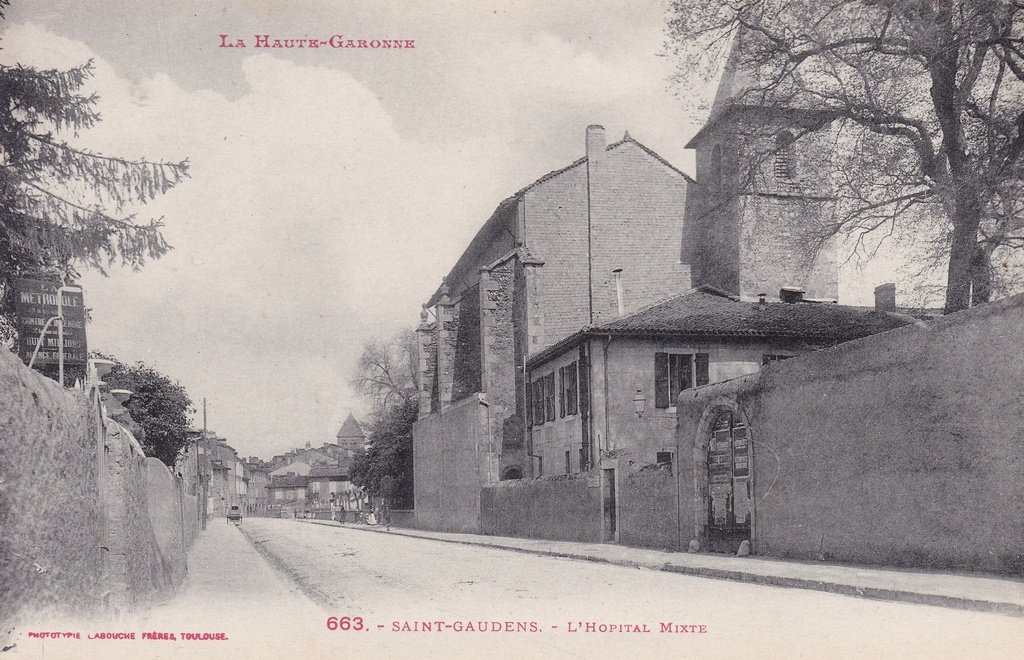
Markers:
<point>639,404</point>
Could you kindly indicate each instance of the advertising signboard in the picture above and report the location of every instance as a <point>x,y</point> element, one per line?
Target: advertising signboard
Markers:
<point>35,303</point>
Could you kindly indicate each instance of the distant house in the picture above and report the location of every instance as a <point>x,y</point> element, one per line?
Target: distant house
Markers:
<point>619,382</point>
<point>301,461</point>
<point>287,490</point>
<point>331,485</point>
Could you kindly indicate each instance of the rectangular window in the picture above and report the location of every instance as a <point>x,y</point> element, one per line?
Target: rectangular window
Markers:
<point>549,397</point>
<point>568,463</point>
<point>771,357</point>
<point>664,457</point>
<point>675,372</point>
<point>569,389</point>
<point>680,374</point>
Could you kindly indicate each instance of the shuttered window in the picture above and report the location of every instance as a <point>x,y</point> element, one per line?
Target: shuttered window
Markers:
<point>584,384</point>
<point>675,372</point>
<point>701,369</point>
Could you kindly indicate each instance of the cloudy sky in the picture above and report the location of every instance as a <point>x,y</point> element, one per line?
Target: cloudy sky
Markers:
<point>332,188</point>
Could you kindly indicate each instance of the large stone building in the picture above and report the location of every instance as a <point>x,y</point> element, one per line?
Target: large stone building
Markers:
<point>562,253</point>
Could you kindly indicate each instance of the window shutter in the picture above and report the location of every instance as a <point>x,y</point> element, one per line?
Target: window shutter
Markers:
<point>529,405</point>
<point>549,392</point>
<point>584,378</point>
<point>561,391</point>
<point>538,402</point>
<point>661,394</point>
<point>571,392</point>
<point>702,367</point>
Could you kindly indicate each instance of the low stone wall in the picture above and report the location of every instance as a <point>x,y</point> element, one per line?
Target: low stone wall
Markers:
<point>403,518</point>
<point>90,526</point>
<point>562,508</point>
<point>647,507</point>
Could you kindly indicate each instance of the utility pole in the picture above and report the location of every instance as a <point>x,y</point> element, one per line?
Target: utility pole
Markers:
<point>204,479</point>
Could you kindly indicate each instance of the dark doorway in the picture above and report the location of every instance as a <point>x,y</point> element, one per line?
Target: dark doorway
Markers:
<point>729,496</point>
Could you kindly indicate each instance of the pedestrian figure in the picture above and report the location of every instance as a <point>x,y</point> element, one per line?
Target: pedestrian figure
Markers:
<point>342,514</point>
<point>387,516</point>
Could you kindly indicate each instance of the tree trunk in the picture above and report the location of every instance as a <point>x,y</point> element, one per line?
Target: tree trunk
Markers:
<point>981,276</point>
<point>962,251</point>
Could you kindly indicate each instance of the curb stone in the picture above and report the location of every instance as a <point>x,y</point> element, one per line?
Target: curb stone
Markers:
<point>783,581</point>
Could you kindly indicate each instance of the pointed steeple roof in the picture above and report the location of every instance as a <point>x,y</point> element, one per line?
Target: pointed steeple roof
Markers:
<point>351,430</point>
<point>751,80</point>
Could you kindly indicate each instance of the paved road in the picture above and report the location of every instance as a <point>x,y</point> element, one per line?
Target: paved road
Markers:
<point>277,606</point>
<point>391,581</point>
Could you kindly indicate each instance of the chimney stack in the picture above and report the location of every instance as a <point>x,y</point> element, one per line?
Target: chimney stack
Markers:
<point>618,291</point>
<point>885,297</point>
<point>791,294</point>
<point>595,145</point>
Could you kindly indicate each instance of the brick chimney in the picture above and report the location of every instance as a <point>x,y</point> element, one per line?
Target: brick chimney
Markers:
<point>791,294</point>
<point>595,146</point>
<point>885,297</point>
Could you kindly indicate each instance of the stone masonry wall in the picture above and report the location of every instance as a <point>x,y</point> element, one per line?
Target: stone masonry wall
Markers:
<point>465,344</point>
<point>897,449</point>
<point>497,326</point>
<point>629,189</point>
<point>452,458</point>
<point>49,507</point>
<point>561,508</point>
<point>88,527</point>
<point>647,507</point>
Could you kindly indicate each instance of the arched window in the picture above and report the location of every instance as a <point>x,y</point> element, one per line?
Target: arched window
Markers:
<point>785,161</point>
<point>513,472</point>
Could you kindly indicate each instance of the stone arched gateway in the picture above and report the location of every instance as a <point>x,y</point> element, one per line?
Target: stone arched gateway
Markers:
<point>724,504</point>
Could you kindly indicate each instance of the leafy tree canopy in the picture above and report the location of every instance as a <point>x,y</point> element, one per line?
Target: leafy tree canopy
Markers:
<point>385,469</point>
<point>160,407</point>
<point>385,375</point>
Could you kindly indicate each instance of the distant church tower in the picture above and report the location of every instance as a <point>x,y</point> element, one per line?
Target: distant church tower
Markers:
<point>758,203</point>
<point>351,436</point>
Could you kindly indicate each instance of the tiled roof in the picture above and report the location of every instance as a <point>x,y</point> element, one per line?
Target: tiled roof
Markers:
<point>322,471</point>
<point>286,481</point>
<point>351,429</point>
<point>705,312</point>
